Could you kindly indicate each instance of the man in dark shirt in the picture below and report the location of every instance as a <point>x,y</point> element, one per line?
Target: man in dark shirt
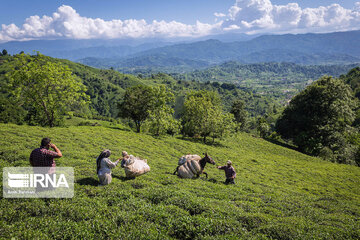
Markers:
<point>43,157</point>
<point>230,173</point>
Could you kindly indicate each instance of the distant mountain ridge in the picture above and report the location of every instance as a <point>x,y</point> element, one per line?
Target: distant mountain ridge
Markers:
<point>214,51</point>
<point>311,48</point>
<point>78,49</point>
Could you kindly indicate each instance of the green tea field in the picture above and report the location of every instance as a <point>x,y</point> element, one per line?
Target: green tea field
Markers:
<point>279,193</point>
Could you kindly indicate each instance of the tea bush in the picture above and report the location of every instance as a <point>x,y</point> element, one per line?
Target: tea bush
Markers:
<point>279,193</point>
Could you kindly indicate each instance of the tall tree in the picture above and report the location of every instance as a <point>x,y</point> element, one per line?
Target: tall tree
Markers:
<point>319,117</point>
<point>138,101</point>
<point>161,119</point>
<point>203,115</point>
<point>240,114</point>
<point>48,87</point>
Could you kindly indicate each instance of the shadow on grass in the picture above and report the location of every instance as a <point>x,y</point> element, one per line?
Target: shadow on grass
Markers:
<point>88,181</point>
<point>209,142</point>
<point>213,180</point>
<point>122,178</point>
<point>282,144</point>
<point>171,173</point>
<point>119,128</point>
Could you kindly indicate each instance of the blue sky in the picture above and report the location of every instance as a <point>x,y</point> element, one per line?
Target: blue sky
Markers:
<point>77,19</point>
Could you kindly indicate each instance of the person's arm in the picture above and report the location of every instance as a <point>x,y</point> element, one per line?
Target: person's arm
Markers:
<point>221,167</point>
<point>59,154</point>
<point>123,162</point>
<point>110,163</point>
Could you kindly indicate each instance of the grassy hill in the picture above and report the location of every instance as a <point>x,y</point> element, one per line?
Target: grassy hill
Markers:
<point>280,193</point>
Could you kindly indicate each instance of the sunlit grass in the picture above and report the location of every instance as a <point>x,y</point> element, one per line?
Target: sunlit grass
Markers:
<point>279,193</point>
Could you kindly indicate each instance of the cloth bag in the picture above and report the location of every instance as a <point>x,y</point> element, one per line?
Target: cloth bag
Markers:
<point>184,158</point>
<point>136,167</point>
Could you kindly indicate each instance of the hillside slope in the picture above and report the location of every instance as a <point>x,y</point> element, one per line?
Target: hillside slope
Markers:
<point>280,193</point>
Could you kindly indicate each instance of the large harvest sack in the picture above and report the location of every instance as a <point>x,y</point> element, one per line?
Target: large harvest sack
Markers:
<point>136,167</point>
<point>190,169</point>
<point>184,158</point>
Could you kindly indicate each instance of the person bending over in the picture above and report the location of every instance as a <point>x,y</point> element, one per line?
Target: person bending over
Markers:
<point>230,173</point>
<point>104,166</point>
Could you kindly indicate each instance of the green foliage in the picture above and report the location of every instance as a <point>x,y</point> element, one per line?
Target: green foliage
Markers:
<point>279,193</point>
<point>320,116</point>
<point>160,120</point>
<point>203,115</point>
<point>278,81</point>
<point>353,79</point>
<point>240,114</point>
<point>263,127</point>
<point>49,89</point>
<point>11,111</point>
<point>106,88</point>
<point>136,104</point>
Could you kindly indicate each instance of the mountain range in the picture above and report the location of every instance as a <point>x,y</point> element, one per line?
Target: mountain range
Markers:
<point>307,49</point>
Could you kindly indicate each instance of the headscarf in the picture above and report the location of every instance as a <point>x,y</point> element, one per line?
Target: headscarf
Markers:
<point>229,162</point>
<point>104,154</point>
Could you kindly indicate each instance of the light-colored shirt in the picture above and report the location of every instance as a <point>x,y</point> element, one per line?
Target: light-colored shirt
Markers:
<point>106,165</point>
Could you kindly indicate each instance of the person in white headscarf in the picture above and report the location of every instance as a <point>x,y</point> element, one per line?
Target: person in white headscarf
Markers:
<point>104,166</point>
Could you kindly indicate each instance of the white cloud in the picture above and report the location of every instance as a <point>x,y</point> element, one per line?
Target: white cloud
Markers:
<point>219,14</point>
<point>260,16</point>
<point>246,16</point>
<point>67,23</point>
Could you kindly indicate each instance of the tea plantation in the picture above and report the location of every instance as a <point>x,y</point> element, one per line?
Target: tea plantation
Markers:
<point>279,193</point>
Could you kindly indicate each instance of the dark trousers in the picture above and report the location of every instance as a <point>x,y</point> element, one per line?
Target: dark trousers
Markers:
<point>230,181</point>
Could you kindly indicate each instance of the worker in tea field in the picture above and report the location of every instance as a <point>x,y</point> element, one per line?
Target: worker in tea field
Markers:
<point>230,173</point>
<point>134,166</point>
<point>127,159</point>
<point>43,157</point>
<point>104,166</point>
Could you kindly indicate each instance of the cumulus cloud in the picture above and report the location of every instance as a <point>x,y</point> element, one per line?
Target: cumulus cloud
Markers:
<point>67,23</point>
<point>245,16</point>
<point>260,16</point>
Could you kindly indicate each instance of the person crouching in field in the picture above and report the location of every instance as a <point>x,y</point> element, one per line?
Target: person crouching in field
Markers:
<point>103,167</point>
<point>230,173</point>
<point>125,159</point>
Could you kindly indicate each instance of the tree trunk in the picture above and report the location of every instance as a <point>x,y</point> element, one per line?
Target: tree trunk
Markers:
<point>50,122</point>
<point>138,126</point>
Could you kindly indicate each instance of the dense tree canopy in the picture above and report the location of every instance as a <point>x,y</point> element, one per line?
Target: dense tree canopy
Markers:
<point>161,115</point>
<point>48,89</point>
<point>320,117</point>
<point>240,114</point>
<point>136,104</point>
<point>203,115</point>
